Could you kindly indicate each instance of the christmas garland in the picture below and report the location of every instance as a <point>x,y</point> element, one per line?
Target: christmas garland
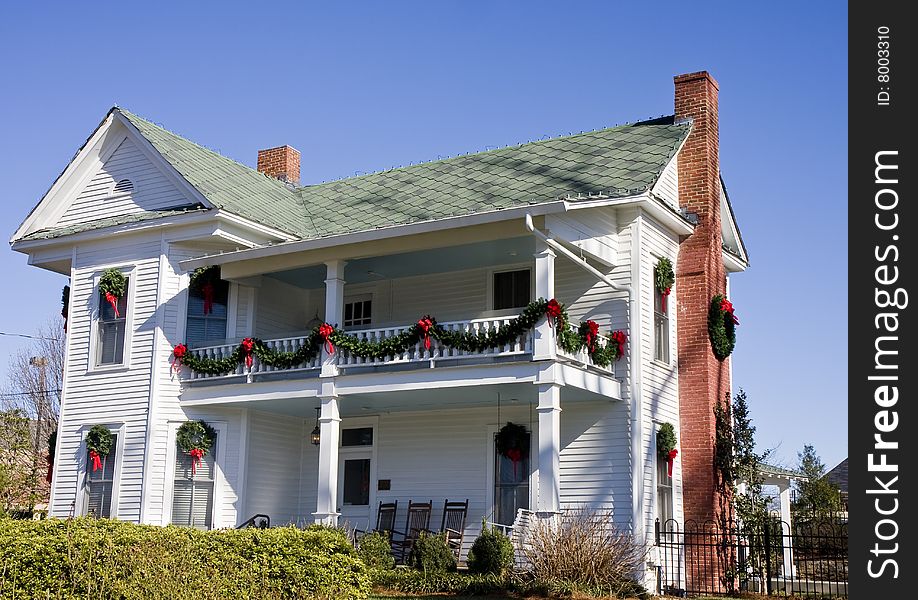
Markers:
<point>203,280</point>
<point>569,339</point>
<point>722,327</point>
<point>113,286</point>
<point>664,278</point>
<point>666,445</point>
<point>65,305</point>
<point>195,438</point>
<point>99,444</point>
<point>513,443</point>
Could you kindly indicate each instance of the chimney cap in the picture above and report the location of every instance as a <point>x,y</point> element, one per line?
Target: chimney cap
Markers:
<point>686,77</point>
<point>280,162</point>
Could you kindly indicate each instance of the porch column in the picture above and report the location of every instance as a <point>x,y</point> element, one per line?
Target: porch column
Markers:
<point>334,309</point>
<point>544,347</point>
<point>330,428</point>
<point>787,541</point>
<point>549,410</point>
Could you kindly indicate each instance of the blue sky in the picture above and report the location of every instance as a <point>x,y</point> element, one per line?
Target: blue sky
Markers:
<point>366,86</point>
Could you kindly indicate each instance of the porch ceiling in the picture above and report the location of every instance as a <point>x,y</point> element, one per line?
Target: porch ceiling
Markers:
<point>354,405</point>
<point>453,258</point>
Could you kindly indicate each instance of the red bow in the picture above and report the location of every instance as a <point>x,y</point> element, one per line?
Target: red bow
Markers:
<point>177,354</point>
<point>619,337</point>
<point>196,455</point>
<point>50,469</point>
<point>552,311</point>
<point>96,460</point>
<point>591,334</point>
<point>113,300</point>
<point>664,294</point>
<point>727,306</point>
<point>207,290</point>
<point>425,324</point>
<point>247,345</point>
<point>669,461</point>
<point>326,331</point>
<point>515,455</point>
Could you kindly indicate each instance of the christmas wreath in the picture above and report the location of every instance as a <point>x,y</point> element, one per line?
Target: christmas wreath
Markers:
<point>513,443</point>
<point>65,305</point>
<point>666,445</point>
<point>204,281</point>
<point>722,327</point>
<point>99,443</point>
<point>113,286</point>
<point>663,279</point>
<point>195,438</point>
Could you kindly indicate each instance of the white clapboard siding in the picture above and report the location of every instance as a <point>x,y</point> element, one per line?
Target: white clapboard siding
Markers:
<point>667,187</point>
<point>152,190</point>
<point>275,446</point>
<point>660,381</point>
<point>281,309</point>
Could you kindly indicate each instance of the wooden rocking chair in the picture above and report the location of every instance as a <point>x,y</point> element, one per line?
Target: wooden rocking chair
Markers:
<point>385,521</point>
<point>453,524</point>
<point>418,520</point>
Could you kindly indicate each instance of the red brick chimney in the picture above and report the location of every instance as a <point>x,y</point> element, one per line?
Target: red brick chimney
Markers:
<point>700,275</point>
<point>282,162</point>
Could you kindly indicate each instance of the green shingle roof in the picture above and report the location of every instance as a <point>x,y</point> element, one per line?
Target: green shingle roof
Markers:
<point>615,162</point>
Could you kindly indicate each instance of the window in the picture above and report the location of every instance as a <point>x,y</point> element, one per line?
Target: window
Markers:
<point>660,328</point>
<point>664,493</point>
<point>511,289</point>
<point>112,329</point>
<point>210,327</point>
<point>193,494</point>
<point>511,485</point>
<point>357,437</point>
<point>99,484</point>
<point>358,311</point>
<point>357,482</point>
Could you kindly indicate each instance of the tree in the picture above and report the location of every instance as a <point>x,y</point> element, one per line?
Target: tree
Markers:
<point>33,392</point>
<point>816,493</point>
<point>15,461</point>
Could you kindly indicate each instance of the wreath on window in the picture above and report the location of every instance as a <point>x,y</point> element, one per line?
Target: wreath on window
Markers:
<point>722,327</point>
<point>113,286</point>
<point>666,445</point>
<point>99,443</point>
<point>204,281</point>
<point>664,278</point>
<point>195,438</point>
<point>513,443</point>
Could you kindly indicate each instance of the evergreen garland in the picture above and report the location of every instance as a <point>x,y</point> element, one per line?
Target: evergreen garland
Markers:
<point>571,340</point>
<point>99,440</point>
<point>113,282</point>
<point>666,440</point>
<point>663,276</point>
<point>195,435</point>
<point>722,327</point>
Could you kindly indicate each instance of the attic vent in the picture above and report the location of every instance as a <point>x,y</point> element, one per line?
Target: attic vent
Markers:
<point>124,186</point>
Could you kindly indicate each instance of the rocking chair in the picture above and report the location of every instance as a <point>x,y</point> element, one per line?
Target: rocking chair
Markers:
<point>418,520</point>
<point>385,521</point>
<point>453,524</point>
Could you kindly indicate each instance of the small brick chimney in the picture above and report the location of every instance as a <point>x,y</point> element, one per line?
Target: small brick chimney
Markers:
<point>282,163</point>
<point>700,275</point>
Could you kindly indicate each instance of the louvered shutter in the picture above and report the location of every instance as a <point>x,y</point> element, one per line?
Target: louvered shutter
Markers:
<point>99,485</point>
<point>193,497</point>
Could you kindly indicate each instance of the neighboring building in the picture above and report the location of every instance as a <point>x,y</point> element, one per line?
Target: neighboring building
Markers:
<point>838,477</point>
<point>374,254</point>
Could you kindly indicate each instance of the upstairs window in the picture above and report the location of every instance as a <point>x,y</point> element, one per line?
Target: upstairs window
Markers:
<point>660,327</point>
<point>207,313</point>
<point>193,493</point>
<point>511,289</point>
<point>111,330</point>
<point>358,311</point>
<point>99,484</point>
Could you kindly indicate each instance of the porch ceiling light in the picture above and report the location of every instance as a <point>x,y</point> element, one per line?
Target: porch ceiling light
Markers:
<point>316,436</point>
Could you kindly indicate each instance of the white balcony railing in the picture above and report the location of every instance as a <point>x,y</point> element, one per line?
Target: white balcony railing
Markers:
<point>583,357</point>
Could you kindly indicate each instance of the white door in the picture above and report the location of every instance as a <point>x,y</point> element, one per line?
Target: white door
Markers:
<point>356,476</point>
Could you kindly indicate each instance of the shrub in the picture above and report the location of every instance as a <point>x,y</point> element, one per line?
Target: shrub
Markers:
<point>109,559</point>
<point>409,581</point>
<point>582,548</point>
<point>491,553</point>
<point>431,554</point>
<point>375,551</point>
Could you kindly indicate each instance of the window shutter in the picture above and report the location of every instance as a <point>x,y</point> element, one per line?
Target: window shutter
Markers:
<point>181,502</point>
<point>99,485</point>
<point>193,497</point>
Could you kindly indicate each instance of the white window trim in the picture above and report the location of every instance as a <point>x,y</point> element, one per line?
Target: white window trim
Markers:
<point>216,522</point>
<point>96,310</point>
<point>118,429</point>
<point>358,423</point>
<point>362,297</point>
<point>491,471</point>
<point>489,284</point>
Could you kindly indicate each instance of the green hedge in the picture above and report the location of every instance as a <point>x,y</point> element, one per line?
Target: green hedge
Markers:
<point>410,581</point>
<point>106,559</point>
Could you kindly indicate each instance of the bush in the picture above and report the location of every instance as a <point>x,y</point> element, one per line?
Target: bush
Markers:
<point>491,553</point>
<point>583,549</point>
<point>375,551</point>
<point>408,581</point>
<point>109,559</point>
<point>431,554</point>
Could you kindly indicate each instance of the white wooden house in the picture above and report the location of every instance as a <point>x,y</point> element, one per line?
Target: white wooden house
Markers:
<point>470,240</point>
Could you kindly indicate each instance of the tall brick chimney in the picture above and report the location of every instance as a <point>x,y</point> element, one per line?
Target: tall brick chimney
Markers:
<point>282,162</point>
<point>700,275</point>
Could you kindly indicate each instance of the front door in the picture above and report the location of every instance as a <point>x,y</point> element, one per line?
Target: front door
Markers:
<point>355,477</point>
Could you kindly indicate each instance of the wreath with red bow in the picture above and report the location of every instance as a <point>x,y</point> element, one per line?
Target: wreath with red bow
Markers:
<point>513,443</point>
<point>722,324</point>
<point>99,443</point>
<point>666,445</point>
<point>664,278</point>
<point>195,438</point>
<point>113,286</point>
<point>204,281</point>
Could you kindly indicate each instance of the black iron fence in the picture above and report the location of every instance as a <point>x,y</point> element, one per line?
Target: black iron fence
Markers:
<point>808,560</point>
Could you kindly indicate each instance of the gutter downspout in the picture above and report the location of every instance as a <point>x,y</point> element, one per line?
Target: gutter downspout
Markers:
<point>634,364</point>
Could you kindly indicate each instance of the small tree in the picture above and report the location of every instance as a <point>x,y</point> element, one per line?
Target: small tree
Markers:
<point>816,493</point>
<point>15,461</point>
